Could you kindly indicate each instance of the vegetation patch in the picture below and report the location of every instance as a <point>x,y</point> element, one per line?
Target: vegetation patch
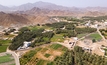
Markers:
<point>81,35</point>
<point>104,32</point>
<point>33,28</point>
<point>43,55</point>
<point>6,58</point>
<point>55,32</point>
<point>5,42</point>
<point>3,48</point>
<point>44,50</point>
<point>64,49</point>
<point>95,36</point>
<point>28,56</point>
<point>57,38</point>
<point>50,63</point>
<point>48,28</point>
<point>55,46</point>
<point>47,55</point>
<point>79,57</point>
<point>41,62</point>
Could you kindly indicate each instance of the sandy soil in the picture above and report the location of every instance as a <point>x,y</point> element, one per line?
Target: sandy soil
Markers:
<point>53,54</point>
<point>95,47</point>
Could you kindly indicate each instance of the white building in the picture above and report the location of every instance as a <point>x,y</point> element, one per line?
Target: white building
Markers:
<point>94,26</point>
<point>75,38</point>
<point>88,24</point>
<point>25,45</point>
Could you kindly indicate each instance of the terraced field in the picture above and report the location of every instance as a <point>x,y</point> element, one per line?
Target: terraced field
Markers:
<point>43,55</point>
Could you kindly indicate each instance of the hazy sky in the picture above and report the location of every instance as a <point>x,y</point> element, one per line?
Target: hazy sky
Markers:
<point>69,3</point>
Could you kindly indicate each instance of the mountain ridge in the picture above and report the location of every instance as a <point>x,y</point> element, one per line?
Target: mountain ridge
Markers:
<point>29,13</point>
<point>50,6</point>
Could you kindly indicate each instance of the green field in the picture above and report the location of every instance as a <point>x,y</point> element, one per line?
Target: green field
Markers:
<point>34,28</point>
<point>6,58</point>
<point>48,28</point>
<point>81,35</point>
<point>38,27</point>
<point>55,46</point>
<point>5,42</point>
<point>57,38</point>
<point>3,48</point>
<point>4,45</point>
<point>95,36</point>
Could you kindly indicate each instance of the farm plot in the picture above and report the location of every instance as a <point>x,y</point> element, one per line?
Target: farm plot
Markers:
<point>6,59</point>
<point>44,56</point>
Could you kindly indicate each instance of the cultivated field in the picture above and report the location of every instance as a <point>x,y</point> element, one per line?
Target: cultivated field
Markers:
<point>43,55</point>
<point>6,59</point>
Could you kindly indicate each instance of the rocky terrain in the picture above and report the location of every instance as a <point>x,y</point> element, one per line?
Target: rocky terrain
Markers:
<point>41,12</point>
<point>12,19</point>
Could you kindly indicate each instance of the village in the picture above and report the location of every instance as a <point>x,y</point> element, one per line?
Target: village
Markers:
<point>89,42</point>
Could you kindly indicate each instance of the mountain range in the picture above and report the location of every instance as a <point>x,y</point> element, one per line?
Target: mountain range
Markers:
<point>50,6</point>
<point>28,6</point>
<point>41,12</point>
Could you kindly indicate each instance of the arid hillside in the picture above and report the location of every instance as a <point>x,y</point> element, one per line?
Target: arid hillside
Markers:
<point>37,11</point>
<point>41,12</point>
<point>13,19</point>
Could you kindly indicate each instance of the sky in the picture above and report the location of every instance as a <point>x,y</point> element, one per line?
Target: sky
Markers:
<point>68,3</point>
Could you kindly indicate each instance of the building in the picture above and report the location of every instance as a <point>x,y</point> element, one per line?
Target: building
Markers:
<point>25,45</point>
<point>88,24</point>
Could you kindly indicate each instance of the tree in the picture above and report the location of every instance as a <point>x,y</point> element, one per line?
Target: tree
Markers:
<point>93,40</point>
<point>24,29</point>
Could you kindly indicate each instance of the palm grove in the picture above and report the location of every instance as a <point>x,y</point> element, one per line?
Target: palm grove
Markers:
<point>79,57</point>
<point>39,38</point>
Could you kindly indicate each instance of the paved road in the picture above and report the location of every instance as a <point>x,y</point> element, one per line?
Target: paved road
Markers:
<point>14,55</point>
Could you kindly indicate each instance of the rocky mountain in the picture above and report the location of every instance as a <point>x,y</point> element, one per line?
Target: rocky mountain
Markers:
<point>46,12</point>
<point>50,6</point>
<point>41,5</point>
<point>17,20</point>
<point>28,6</point>
<point>37,11</point>
<point>12,19</point>
<point>41,12</point>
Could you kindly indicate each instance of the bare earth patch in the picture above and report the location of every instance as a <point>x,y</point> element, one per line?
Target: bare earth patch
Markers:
<point>95,47</point>
<point>53,54</point>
